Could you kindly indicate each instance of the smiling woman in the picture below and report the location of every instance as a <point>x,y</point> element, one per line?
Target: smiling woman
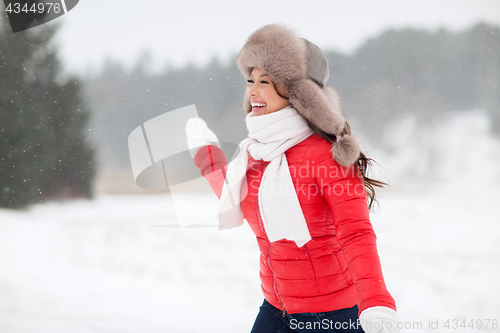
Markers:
<point>264,96</point>
<point>319,257</point>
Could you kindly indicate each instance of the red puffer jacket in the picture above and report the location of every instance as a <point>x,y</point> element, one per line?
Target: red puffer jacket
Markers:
<point>339,267</point>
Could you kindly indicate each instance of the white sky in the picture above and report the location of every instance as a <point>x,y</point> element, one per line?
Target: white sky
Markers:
<point>194,31</point>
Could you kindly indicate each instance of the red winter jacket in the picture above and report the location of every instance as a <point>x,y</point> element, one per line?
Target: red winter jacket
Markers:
<point>339,267</point>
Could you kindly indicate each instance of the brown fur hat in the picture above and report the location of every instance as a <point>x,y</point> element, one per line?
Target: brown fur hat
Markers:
<point>302,69</point>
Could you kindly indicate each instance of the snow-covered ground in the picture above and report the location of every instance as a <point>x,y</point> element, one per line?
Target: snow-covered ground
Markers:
<point>100,266</point>
<point>108,265</point>
<point>103,266</point>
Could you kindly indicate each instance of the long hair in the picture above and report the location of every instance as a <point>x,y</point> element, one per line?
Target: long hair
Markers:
<point>363,163</point>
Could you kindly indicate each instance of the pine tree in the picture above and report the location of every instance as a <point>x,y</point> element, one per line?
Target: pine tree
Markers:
<point>44,153</point>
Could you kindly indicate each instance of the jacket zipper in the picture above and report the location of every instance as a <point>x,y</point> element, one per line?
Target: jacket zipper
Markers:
<point>269,262</point>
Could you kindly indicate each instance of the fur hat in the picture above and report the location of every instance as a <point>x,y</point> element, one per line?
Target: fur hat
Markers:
<point>302,69</point>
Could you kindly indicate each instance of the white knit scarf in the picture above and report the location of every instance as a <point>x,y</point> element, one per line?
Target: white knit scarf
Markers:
<point>269,137</point>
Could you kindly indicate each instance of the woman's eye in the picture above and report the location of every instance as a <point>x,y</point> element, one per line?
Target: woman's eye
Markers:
<point>265,82</point>
<point>250,81</point>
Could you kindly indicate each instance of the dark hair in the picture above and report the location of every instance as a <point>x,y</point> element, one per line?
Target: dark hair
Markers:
<point>363,162</point>
<point>285,97</point>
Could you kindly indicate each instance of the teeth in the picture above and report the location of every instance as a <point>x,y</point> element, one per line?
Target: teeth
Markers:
<point>258,104</point>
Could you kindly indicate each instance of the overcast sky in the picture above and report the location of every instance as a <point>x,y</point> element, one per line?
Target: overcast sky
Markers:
<point>179,32</point>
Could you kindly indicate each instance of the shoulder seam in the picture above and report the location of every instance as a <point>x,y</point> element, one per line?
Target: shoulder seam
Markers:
<point>314,146</point>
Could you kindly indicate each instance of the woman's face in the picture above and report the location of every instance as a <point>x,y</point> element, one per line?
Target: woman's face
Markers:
<point>262,94</point>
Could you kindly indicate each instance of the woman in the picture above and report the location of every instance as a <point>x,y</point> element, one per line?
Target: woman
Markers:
<point>300,182</point>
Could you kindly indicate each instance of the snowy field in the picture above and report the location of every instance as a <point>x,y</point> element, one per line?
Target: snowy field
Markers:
<point>100,266</point>
<point>107,265</point>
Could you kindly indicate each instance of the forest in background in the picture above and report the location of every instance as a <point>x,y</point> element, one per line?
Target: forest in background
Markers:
<point>57,134</point>
<point>45,153</point>
<point>427,74</point>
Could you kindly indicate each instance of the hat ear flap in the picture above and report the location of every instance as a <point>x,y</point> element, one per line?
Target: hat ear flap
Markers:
<point>322,109</point>
<point>334,101</point>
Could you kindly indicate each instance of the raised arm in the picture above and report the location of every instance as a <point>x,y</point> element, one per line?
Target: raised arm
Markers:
<point>208,157</point>
<point>212,163</point>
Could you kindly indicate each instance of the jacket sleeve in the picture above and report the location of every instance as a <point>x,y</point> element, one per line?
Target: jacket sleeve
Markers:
<point>346,198</point>
<point>212,163</point>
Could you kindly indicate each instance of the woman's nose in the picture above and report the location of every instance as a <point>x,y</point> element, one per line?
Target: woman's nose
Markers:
<point>251,93</point>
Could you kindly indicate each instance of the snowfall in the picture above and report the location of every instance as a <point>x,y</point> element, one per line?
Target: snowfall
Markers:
<point>116,263</point>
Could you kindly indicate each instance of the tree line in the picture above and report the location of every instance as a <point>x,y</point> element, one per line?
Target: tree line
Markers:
<point>399,72</point>
<point>45,153</point>
<point>56,133</point>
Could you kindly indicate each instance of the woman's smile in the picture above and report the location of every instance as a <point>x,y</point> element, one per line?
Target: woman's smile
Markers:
<point>263,93</point>
<point>258,107</point>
